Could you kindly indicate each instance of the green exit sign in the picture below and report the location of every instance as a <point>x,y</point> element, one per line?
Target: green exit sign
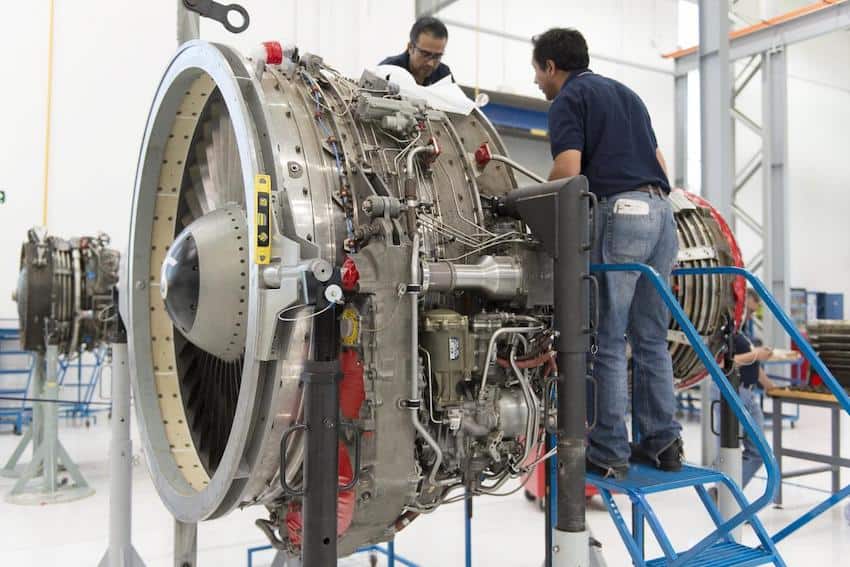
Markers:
<point>2,196</point>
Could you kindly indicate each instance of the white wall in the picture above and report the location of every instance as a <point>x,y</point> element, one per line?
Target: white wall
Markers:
<point>109,55</point>
<point>635,31</point>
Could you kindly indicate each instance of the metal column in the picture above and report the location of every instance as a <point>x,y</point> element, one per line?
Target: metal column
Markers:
<point>717,160</point>
<point>188,24</point>
<point>775,180</point>
<point>121,552</point>
<point>49,452</point>
<point>185,544</point>
<point>715,120</point>
<point>680,164</point>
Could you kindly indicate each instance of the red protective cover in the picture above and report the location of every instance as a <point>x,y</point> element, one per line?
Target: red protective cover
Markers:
<point>351,396</point>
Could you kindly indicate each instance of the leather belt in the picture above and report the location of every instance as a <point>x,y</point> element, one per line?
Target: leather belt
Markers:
<point>652,190</point>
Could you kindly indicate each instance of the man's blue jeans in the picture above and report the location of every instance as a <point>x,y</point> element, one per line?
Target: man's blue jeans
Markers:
<point>640,229</point>
<point>751,459</point>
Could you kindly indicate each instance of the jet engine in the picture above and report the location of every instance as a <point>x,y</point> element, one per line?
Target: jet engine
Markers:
<point>260,175</point>
<point>65,291</point>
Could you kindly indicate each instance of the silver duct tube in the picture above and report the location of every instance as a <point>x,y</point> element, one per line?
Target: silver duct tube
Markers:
<point>497,277</point>
<point>532,405</point>
<point>78,291</point>
<point>492,345</point>
<point>524,170</point>
<point>414,366</point>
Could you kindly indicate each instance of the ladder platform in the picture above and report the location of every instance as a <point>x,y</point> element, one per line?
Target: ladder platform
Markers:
<point>722,554</point>
<point>646,479</point>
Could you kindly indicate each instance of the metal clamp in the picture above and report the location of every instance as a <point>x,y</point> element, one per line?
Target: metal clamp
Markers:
<point>594,300</point>
<point>356,476</point>
<point>553,380</point>
<point>594,202</point>
<point>219,12</point>
<point>288,490</point>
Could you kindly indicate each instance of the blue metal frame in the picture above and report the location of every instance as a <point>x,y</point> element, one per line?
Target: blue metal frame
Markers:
<point>816,363</point>
<point>20,415</point>
<point>748,511</point>
<point>84,388</point>
<point>389,551</point>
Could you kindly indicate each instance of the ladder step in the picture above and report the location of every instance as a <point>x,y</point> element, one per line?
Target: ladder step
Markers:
<point>644,479</point>
<point>723,554</point>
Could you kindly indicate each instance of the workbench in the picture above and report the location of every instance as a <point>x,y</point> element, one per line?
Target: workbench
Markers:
<point>828,463</point>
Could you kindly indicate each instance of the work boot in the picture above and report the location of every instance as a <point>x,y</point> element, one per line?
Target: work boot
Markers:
<point>669,460</point>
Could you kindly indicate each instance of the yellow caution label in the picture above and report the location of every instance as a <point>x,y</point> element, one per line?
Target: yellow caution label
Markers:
<point>262,242</point>
<point>350,326</point>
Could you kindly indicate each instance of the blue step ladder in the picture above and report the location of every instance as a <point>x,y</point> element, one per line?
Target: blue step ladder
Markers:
<point>717,548</point>
<point>16,368</point>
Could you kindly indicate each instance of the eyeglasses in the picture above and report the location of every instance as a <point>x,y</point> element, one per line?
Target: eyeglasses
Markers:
<point>430,55</point>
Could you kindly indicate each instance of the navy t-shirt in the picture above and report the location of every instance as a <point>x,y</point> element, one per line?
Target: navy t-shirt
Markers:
<point>403,60</point>
<point>749,372</point>
<point>610,125</point>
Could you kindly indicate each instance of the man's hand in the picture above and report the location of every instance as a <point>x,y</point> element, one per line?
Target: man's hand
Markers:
<point>763,353</point>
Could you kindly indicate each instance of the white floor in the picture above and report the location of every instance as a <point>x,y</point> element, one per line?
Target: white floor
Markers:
<point>506,531</point>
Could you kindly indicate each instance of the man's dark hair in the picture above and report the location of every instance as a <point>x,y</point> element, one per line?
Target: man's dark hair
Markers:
<point>429,25</point>
<point>566,48</point>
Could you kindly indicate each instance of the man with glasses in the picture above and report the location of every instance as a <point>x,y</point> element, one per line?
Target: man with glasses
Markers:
<point>601,129</point>
<point>428,39</point>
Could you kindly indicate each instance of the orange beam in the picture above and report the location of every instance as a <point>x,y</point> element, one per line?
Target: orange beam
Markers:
<point>761,25</point>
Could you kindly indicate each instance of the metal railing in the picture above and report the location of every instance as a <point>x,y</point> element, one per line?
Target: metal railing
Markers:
<point>726,390</point>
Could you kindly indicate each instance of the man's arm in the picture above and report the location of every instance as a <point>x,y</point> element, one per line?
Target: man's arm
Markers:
<point>764,380</point>
<point>660,157</point>
<point>567,164</point>
<point>753,356</point>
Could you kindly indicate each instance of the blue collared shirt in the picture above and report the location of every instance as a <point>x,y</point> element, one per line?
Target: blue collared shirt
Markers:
<point>403,60</point>
<point>609,124</point>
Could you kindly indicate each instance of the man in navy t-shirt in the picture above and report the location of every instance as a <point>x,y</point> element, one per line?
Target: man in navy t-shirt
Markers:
<point>601,129</point>
<point>424,53</point>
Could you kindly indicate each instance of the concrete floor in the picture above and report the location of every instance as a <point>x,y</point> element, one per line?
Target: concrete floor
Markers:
<point>507,531</point>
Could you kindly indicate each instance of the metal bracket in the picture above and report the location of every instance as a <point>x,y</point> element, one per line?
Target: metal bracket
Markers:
<point>219,12</point>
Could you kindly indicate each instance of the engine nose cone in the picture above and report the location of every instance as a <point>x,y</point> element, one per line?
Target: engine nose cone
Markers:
<point>204,282</point>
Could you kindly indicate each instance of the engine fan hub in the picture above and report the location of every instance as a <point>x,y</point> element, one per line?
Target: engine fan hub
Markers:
<point>209,311</point>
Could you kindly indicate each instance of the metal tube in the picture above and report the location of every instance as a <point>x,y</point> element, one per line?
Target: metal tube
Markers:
<point>121,552</point>
<point>531,419</point>
<point>185,544</point>
<point>571,323</point>
<point>51,423</point>
<point>320,380</point>
<point>414,366</point>
<point>121,465</point>
<point>491,346</point>
<point>497,277</point>
<point>77,292</point>
<point>517,166</point>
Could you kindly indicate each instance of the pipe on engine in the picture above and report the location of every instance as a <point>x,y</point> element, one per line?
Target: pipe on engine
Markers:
<point>497,277</point>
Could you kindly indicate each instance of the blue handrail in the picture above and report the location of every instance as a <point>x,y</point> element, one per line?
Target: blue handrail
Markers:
<point>817,364</point>
<point>726,391</point>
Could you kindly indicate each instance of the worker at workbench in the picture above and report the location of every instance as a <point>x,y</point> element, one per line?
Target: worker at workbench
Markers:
<point>601,129</point>
<point>424,54</point>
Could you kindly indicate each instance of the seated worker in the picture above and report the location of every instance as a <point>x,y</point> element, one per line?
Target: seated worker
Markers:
<point>428,39</point>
